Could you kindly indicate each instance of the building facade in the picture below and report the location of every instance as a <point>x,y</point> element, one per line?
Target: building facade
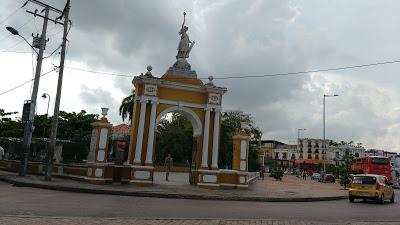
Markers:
<point>335,154</point>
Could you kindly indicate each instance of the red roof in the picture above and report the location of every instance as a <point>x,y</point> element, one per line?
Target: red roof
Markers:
<point>122,129</point>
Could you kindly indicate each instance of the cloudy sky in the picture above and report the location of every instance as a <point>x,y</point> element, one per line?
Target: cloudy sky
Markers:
<point>233,38</point>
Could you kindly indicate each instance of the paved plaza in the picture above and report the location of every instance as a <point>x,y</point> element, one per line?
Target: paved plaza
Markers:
<point>290,188</point>
<point>12,220</point>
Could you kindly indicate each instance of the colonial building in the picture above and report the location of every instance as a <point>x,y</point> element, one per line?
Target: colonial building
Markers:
<point>285,155</point>
<point>335,154</point>
<point>310,149</point>
<point>311,155</point>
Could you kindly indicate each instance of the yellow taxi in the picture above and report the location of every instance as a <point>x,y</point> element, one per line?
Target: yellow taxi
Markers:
<point>370,186</point>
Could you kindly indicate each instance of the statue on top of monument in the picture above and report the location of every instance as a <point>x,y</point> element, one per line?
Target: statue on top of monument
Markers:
<point>185,45</point>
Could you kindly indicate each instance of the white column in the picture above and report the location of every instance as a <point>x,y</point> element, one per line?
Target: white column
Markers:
<point>150,140</point>
<point>139,139</point>
<point>214,163</point>
<point>204,158</point>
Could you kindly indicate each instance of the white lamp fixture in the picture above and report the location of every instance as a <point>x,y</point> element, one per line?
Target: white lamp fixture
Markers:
<point>104,111</point>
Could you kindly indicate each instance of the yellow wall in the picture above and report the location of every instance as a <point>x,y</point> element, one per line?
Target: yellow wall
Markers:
<point>177,95</point>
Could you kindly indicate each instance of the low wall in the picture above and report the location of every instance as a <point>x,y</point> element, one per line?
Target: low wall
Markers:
<point>74,171</point>
<point>253,176</point>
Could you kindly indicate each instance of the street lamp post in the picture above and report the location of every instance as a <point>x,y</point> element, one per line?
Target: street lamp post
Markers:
<point>45,95</point>
<point>323,131</point>
<point>298,134</point>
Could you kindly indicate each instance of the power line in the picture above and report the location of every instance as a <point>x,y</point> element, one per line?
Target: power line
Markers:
<point>310,71</point>
<point>15,11</point>
<point>104,73</point>
<point>260,76</point>
<point>26,82</point>
<point>18,28</point>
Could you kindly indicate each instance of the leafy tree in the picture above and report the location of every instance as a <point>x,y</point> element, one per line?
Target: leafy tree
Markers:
<point>345,169</point>
<point>126,108</point>
<point>174,136</point>
<point>9,127</point>
<point>42,126</point>
<point>4,116</point>
<point>230,124</point>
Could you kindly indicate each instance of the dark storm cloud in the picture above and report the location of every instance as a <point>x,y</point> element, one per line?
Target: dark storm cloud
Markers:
<point>239,38</point>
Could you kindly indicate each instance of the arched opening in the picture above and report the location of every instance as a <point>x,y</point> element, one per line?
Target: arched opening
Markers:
<point>177,133</point>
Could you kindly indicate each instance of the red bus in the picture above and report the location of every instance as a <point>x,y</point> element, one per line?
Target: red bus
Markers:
<point>379,165</point>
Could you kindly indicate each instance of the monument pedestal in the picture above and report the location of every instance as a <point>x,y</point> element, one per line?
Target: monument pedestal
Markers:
<point>141,175</point>
<point>208,178</point>
<point>98,170</point>
<point>99,173</point>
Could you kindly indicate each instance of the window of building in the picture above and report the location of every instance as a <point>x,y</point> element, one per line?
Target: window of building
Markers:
<point>276,155</point>
<point>309,156</point>
<point>316,156</point>
<point>300,156</point>
<point>284,156</point>
<point>356,154</point>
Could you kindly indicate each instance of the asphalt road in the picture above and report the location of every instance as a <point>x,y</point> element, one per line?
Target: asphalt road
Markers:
<point>39,202</point>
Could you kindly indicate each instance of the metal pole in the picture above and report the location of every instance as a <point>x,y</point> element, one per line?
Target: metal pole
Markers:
<point>48,104</point>
<point>48,101</point>
<point>54,124</point>
<point>323,135</point>
<point>29,124</point>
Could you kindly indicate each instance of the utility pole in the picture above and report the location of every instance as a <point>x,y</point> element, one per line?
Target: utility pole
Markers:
<point>28,130</point>
<point>54,123</point>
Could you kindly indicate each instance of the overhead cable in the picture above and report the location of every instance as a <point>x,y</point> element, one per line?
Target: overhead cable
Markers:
<point>2,93</point>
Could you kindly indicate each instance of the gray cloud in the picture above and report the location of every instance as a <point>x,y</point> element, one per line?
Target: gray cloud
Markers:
<point>238,38</point>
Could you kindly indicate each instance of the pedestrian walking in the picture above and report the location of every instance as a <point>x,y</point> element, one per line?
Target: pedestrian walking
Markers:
<point>304,175</point>
<point>262,171</point>
<point>168,163</point>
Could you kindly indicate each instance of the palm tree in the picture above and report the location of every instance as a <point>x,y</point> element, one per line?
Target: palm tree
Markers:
<point>126,108</point>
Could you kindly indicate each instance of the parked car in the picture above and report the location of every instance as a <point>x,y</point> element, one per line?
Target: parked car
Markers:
<point>329,178</point>
<point>315,176</point>
<point>371,186</point>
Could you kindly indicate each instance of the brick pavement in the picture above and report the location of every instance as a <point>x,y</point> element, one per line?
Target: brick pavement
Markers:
<point>34,220</point>
<point>290,189</point>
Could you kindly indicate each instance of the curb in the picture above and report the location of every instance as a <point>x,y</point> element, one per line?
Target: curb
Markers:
<point>165,195</point>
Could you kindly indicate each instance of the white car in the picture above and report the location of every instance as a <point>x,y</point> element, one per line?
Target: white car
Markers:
<point>315,176</point>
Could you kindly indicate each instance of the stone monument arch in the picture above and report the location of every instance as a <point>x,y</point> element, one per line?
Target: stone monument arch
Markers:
<point>175,92</point>
<point>180,90</point>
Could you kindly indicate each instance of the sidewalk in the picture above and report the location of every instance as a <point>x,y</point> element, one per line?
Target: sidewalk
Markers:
<point>291,189</point>
<point>33,220</point>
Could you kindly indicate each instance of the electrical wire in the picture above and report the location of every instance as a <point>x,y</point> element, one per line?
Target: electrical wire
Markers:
<point>260,76</point>
<point>4,38</point>
<point>15,11</point>
<point>309,71</point>
<point>104,73</point>
<point>2,93</point>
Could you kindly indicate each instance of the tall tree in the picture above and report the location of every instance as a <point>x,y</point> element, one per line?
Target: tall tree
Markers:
<point>126,108</point>
<point>175,136</point>
<point>10,127</point>
<point>230,124</point>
